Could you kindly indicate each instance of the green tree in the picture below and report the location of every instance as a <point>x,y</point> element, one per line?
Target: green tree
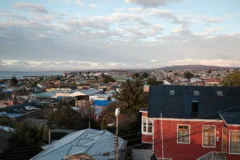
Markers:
<point>188,75</point>
<point>145,75</point>
<point>13,81</point>
<point>66,117</point>
<point>232,79</point>
<point>131,96</point>
<point>136,75</point>
<point>107,79</point>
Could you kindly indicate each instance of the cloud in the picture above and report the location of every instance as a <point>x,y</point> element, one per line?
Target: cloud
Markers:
<point>153,61</point>
<point>11,15</point>
<point>123,39</point>
<point>92,5</point>
<point>15,65</point>
<point>214,19</point>
<point>31,7</point>
<point>213,62</point>
<point>209,31</point>
<point>151,3</point>
<point>163,14</point>
<point>80,3</point>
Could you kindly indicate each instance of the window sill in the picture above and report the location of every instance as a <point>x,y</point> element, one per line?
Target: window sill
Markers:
<point>209,146</point>
<point>147,133</point>
<point>234,153</point>
<point>183,143</point>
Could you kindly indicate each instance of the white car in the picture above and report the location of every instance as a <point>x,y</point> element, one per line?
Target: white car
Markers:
<point>30,108</point>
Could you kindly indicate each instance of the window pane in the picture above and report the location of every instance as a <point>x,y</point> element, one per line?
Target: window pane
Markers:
<point>183,133</point>
<point>235,142</point>
<point>144,128</point>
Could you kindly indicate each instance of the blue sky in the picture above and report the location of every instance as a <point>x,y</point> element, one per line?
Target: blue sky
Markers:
<point>87,34</point>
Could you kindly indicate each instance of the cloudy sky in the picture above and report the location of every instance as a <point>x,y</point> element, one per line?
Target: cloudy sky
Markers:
<point>87,34</point>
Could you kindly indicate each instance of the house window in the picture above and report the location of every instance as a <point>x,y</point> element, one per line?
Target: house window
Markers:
<point>219,93</point>
<point>149,126</point>
<point>194,108</point>
<point>209,136</point>
<point>196,93</point>
<point>183,134</point>
<point>235,142</point>
<point>146,125</point>
<point>172,92</point>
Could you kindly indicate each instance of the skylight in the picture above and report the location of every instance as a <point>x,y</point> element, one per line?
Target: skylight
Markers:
<point>172,92</point>
<point>219,93</point>
<point>196,93</point>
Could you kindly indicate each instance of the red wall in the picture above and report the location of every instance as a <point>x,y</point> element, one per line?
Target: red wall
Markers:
<point>146,138</point>
<point>190,151</point>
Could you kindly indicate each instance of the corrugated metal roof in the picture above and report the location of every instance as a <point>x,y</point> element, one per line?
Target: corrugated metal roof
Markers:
<point>180,104</point>
<point>230,117</point>
<point>92,142</point>
<point>90,91</point>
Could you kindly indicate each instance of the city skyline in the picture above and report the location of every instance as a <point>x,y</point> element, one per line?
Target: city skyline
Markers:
<point>107,34</point>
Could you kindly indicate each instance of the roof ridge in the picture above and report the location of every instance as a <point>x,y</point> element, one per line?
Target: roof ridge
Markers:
<point>57,147</point>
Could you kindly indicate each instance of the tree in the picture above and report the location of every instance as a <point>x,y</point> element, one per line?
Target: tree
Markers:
<point>145,75</point>
<point>66,117</point>
<point>136,75</point>
<point>107,79</point>
<point>13,81</point>
<point>153,81</point>
<point>188,75</point>
<point>31,135</point>
<point>232,79</point>
<point>131,96</point>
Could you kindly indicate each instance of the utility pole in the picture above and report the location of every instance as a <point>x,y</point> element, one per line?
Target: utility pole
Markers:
<point>117,112</point>
<point>49,136</point>
<point>162,136</point>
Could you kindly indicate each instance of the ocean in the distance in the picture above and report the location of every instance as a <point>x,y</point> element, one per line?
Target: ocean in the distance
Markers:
<point>8,75</point>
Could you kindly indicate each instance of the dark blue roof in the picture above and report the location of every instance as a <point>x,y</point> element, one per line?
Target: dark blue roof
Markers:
<point>230,117</point>
<point>102,103</point>
<point>180,104</point>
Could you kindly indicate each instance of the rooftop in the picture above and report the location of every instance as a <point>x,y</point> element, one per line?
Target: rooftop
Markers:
<point>208,101</point>
<point>89,141</point>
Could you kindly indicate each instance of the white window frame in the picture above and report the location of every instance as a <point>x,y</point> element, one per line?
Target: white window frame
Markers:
<point>147,121</point>
<point>188,133</point>
<point>230,142</point>
<point>215,136</point>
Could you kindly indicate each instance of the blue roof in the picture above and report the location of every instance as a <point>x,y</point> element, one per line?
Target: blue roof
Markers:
<point>180,104</point>
<point>231,117</point>
<point>11,115</point>
<point>102,103</point>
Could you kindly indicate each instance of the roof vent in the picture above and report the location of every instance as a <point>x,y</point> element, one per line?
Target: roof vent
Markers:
<point>172,92</point>
<point>196,93</point>
<point>219,93</point>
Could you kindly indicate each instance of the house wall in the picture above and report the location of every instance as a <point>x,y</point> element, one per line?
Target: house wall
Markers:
<point>146,137</point>
<point>193,150</point>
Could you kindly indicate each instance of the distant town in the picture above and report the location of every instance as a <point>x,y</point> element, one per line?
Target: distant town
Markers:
<point>43,113</point>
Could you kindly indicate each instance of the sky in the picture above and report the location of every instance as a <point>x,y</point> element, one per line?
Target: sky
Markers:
<point>39,35</point>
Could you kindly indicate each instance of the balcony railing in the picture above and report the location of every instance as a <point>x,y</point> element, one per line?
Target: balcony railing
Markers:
<point>213,156</point>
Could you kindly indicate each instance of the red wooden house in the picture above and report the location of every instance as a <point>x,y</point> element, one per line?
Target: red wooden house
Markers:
<point>193,122</point>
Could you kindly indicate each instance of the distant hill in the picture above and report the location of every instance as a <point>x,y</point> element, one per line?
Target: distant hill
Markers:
<point>195,67</point>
